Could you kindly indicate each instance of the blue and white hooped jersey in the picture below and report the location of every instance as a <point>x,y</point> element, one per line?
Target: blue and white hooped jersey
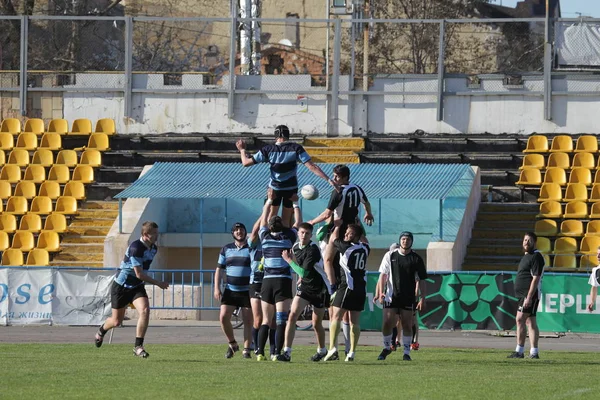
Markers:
<point>236,262</point>
<point>283,158</point>
<point>256,255</point>
<point>137,255</point>
<point>272,246</point>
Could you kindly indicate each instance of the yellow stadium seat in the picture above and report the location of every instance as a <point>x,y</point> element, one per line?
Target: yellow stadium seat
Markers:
<point>66,205</point>
<point>91,157</point>
<point>8,223</point>
<point>533,161</point>
<point>588,261</point>
<point>49,241</point>
<point>530,177</point>
<point>595,193</point>
<point>10,173</point>
<point>26,189</point>
<point>97,141</point>
<point>106,125</point>
<point>7,141</point>
<point>555,175</point>
<point>56,223</point>
<point>41,205</point>
<point>595,210</point>
<point>576,210</point>
<point>581,175</point>
<point>82,126</point>
<point>43,157</point>
<point>550,191</point>
<point>546,227</point>
<point>550,209</point>
<point>16,205</point>
<point>536,144</point>
<point>67,157</point>
<point>571,228</point>
<point>27,141</point>
<point>75,189</point>
<point>562,144</point>
<point>59,173</point>
<point>34,125</point>
<point>5,190</point>
<point>60,126</point>
<point>12,257</point>
<point>51,141</point>
<point>2,158</point>
<point>83,173</point>
<point>31,223</point>
<point>23,240</point>
<point>38,257</point>
<point>11,125</point>
<point>543,245</point>
<point>575,191</point>
<point>565,261</point>
<point>35,173</point>
<point>597,177</point>
<point>560,160</point>
<point>586,144</point>
<point>565,245</point>
<point>50,189</point>
<point>589,244</point>
<point>4,241</point>
<point>19,157</point>
<point>585,160</point>
<point>593,228</point>
<point>547,262</point>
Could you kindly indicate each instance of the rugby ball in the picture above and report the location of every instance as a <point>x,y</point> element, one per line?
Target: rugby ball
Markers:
<point>309,192</point>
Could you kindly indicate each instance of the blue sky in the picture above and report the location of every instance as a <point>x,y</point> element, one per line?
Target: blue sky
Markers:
<point>569,8</point>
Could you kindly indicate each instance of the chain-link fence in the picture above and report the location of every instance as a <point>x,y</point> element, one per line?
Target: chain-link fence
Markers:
<point>10,60</point>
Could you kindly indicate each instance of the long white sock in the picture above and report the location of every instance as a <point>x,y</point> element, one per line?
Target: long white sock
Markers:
<point>322,350</point>
<point>406,343</point>
<point>520,349</point>
<point>534,351</point>
<point>387,342</point>
<point>287,350</point>
<point>346,331</point>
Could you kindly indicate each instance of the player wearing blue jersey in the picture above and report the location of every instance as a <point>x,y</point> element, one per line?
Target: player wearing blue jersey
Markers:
<point>128,287</point>
<point>234,268</point>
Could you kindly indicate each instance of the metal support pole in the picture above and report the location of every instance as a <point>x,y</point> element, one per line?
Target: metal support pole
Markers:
<point>23,74</point>
<point>128,111</point>
<point>547,67</point>
<point>352,53</point>
<point>366,49</point>
<point>201,233</point>
<point>120,215</point>
<point>441,220</point>
<point>232,55</point>
<point>441,72</point>
<point>335,85</point>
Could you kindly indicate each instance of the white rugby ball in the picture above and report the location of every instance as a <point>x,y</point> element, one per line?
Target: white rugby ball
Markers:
<point>309,192</point>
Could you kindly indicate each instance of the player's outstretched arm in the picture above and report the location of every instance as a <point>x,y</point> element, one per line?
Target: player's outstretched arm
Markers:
<point>315,169</point>
<point>266,211</point>
<point>141,275</point>
<point>241,146</point>
<point>368,218</point>
<point>593,295</point>
<point>297,213</point>
<point>325,215</point>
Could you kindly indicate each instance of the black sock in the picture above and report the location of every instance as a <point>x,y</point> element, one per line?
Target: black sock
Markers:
<point>255,338</point>
<point>394,335</point>
<point>279,337</point>
<point>139,341</point>
<point>263,334</point>
<point>272,340</point>
<point>101,330</point>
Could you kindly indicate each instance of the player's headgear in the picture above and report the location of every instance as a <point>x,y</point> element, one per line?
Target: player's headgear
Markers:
<point>407,234</point>
<point>238,225</point>
<point>282,131</point>
<point>275,224</point>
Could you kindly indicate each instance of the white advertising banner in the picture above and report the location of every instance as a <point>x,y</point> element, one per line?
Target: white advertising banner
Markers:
<point>578,43</point>
<point>4,296</point>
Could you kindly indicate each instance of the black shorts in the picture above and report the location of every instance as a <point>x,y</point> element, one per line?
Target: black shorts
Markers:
<point>236,299</point>
<point>317,300</point>
<point>121,297</point>
<point>275,290</point>
<point>401,303</point>
<point>255,289</point>
<point>284,196</point>
<point>350,300</point>
<point>532,309</point>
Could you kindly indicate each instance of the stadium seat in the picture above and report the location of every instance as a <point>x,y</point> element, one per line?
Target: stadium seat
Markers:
<point>83,173</point>
<point>66,205</point>
<point>8,223</point>
<point>565,245</point>
<point>75,189</point>
<point>60,126</point>
<point>533,161</point>
<point>571,228</point>
<point>19,157</point>
<point>67,157</point>
<point>562,144</point>
<point>589,244</point>
<point>5,190</point>
<point>555,175</point>
<point>34,125</point>
<point>565,261</point>
<point>91,157</point>
<point>7,141</point>
<point>560,160</point>
<point>59,173</point>
<point>581,175</point>
<point>81,126</point>
<point>35,173</point>
<point>11,125</point>
<point>529,177</point>
<point>585,160</point>
<point>49,241</point>
<point>106,125</point>
<point>56,223</point>
<point>38,257</point>
<point>547,262</point>
<point>546,227</point>
<point>4,241</point>
<point>23,240</point>
<point>550,209</point>
<point>575,191</point>
<point>593,228</point>
<point>550,191</point>
<point>97,141</point>
<point>587,262</point>
<point>50,189</point>
<point>597,177</point>
<point>16,205</point>
<point>595,210</point>
<point>31,223</point>
<point>595,193</point>
<point>51,141</point>
<point>12,257</point>
<point>2,158</point>
<point>10,173</point>
<point>43,157</point>
<point>26,189</point>
<point>576,210</point>
<point>27,141</point>
<point>543,245</point>
<point>41,205</point>
<point>536,144</point>
<point>586,144</point>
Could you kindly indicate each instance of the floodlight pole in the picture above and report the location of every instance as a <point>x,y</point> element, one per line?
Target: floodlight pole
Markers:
<point>201,232</point>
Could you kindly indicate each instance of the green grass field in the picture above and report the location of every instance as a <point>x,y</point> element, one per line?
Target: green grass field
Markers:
<point>200,371</point>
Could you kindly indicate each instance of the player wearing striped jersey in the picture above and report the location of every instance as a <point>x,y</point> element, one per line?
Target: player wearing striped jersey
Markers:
<point>128,287</point>
<point>351,292</point>
<point>234,267</point>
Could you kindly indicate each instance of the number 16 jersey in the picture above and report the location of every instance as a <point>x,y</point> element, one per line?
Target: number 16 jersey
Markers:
<point>353,261</point>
